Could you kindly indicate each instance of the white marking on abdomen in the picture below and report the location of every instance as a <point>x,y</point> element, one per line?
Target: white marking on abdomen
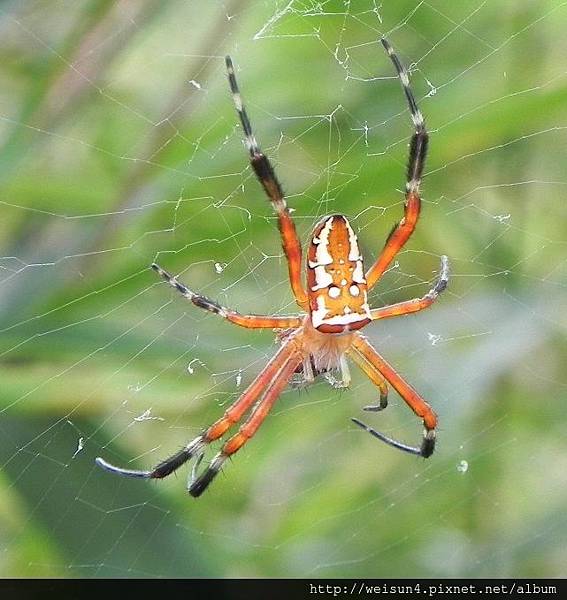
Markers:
<point>354,252</point>
<point>322,278</point>
<point>358,273</point>
<point>322,255</point>
<point>341,319</point>
<point>319,314</point>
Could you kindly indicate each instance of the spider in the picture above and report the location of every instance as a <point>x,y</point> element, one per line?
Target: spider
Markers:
<point>336,302</point>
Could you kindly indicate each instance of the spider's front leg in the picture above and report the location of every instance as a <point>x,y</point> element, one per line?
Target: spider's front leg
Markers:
<point>417,154</point>
<point>267,177</point>
<point>249,321</point>
<point>410,306</point>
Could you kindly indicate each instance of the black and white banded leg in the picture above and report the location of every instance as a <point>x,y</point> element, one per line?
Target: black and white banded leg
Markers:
<point>267,177</point>
<point>417,155</point>
<point>249,321</point>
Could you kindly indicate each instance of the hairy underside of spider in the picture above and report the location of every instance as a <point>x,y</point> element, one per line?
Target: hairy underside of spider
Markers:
<point>335,300</point>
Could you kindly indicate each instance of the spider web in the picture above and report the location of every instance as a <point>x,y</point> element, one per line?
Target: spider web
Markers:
<point>120,146</point>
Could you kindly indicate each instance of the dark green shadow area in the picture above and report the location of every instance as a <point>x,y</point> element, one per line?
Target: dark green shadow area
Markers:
<point>100,525</point>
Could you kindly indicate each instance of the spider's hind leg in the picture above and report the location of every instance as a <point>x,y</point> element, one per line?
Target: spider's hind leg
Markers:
<point>231,416</point>
<point>249,428</point>
<point>164,468</point>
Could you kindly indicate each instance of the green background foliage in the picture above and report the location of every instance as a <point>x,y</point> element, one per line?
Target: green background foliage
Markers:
<point>119,146</point>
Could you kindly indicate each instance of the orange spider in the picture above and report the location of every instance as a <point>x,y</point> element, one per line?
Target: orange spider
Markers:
<point>336,302</point>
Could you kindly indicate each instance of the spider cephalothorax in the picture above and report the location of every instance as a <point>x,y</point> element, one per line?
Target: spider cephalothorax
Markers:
<point>336,303</point>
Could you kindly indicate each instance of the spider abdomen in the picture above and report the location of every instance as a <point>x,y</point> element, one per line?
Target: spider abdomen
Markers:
<point>337,290</point>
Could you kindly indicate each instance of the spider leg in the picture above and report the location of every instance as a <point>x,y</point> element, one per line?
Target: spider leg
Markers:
<point>249,428</point>
<point>163,469</point>
<point>417,304</point>
<point>374,376</point>
<point>267,177</point>
<point>417,153</point>
<point>231,416</point>
<point>388,440</point>
<point>195,468</point>
<point>249,321</point>
<point>409,395</point>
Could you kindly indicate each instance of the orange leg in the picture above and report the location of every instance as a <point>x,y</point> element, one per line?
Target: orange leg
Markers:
<point>374,376</point>
<point>267,177</point>
<point>417,304</point>
<point>396,240</point>
<point>249,321</point>
<point>417,154</point>
<point>249,428</point>
<point>232,415</point>
<point>236,411</point>
<point>409,395</point>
